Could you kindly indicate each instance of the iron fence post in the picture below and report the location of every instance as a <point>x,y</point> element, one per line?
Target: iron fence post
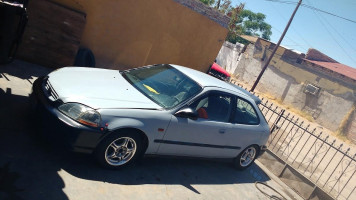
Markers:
<point>283,133</point>
<point>281,127</point>
<point>277,120</point>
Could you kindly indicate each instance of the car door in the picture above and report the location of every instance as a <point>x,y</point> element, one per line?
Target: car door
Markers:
<point>204,136</point>
<point>245,128</point>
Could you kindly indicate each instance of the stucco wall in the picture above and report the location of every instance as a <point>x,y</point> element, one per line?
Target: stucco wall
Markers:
<point>285,80</point>
<point>229,56</point>
<point>125,34</point>
<point>352,126</point>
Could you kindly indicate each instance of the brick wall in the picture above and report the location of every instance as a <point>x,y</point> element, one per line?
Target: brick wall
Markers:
<point>205,10</point>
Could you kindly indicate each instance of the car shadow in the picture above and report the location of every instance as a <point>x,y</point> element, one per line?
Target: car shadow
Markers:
<point>27,168</point>
<point>22,70</point>
<point>167,171</point>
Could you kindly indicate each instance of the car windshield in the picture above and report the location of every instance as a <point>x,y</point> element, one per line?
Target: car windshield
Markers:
<point>163,84</point>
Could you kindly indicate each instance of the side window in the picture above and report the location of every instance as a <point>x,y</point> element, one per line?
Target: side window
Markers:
<point>214,107</point>
<point>245,114</point>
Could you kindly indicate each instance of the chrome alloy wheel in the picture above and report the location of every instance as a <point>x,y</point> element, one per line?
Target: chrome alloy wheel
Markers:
<point>248,156</point>
<point>120,151</point>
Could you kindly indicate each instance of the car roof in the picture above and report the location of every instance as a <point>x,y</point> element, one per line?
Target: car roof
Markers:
<point>252,96</point>
<point>206,80</point>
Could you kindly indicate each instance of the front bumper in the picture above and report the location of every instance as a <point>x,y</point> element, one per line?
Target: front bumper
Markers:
<point>59,128</point>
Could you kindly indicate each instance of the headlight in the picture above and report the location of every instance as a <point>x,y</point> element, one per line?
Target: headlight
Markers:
<point>81,114</point>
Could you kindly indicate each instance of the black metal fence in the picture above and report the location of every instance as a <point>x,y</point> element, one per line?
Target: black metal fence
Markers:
<point>321,160</point>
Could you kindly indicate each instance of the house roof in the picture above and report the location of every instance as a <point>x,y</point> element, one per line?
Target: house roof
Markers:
<point>336,67</point>
<point>250,38</point>
<point>316,55</point>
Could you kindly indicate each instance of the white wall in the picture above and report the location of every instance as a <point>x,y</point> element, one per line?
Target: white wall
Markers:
<point>228,56</point>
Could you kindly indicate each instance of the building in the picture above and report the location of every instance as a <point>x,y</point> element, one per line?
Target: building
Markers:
<point>313,83</point>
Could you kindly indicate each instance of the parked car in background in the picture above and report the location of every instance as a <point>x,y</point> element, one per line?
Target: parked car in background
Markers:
<point>219,72</point>
<point>159,109</point>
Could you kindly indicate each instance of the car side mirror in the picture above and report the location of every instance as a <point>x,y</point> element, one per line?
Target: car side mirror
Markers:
<point>187,113</point>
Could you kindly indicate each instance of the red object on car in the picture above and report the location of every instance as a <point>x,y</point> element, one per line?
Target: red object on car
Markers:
<point>219,72</point>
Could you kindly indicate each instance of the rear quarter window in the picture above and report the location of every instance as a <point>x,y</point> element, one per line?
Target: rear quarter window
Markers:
<point>245,113</point>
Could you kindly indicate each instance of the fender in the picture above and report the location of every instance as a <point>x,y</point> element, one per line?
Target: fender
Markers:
<point>152,128</point>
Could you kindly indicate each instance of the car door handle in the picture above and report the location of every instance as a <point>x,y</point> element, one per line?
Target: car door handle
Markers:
<point>222,131</point>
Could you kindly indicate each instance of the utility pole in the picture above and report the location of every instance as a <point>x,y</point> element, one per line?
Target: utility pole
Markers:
<point>275,48</point>
<point>218,4</point>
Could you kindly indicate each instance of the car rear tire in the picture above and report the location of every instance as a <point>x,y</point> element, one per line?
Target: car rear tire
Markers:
<point>118,150</point>
<point>84,58</point>
<point>246,157</point>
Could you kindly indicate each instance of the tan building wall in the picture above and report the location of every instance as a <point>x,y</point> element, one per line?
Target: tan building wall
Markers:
<point>285,80</point>
<point>351,129</point>
<point>281,61</point>
<point>125,34</point>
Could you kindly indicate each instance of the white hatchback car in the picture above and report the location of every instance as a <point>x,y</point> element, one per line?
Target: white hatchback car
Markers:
<point>159,109</point>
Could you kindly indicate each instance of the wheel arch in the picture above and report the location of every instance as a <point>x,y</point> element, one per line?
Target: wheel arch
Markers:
<point>237,162</point>
<point>141,133</point>
<point>258,148</point>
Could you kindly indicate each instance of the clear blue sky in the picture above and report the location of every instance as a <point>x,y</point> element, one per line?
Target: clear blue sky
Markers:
<point>333,36</point>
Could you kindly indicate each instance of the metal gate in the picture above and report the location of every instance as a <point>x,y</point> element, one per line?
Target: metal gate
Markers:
<point>321,160</point>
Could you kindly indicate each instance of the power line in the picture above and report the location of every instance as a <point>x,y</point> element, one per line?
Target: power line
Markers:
<point>295,30</point>
<point>317,9</point>
<point>314,8</point>
<point>323,24</point>
<point>335,30</point>
<point>275,47</point>
<point>296,44</point>
<point>286,2</point>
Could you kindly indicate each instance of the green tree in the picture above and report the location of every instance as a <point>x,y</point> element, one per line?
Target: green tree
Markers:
<point>235,28</point>
<point>254,24</point>
<point>246,22</point>
<point>208,2</point>
<point>242,21</point>
<point>224,6</point>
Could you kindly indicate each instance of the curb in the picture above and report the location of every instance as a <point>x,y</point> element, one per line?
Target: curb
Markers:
<point>286,189</point>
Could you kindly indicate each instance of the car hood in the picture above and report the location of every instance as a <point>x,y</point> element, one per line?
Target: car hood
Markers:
<point>97,88</point>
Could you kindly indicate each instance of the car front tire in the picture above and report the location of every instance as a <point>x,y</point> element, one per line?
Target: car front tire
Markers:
<point>118,150</point>
<point>246,157</point>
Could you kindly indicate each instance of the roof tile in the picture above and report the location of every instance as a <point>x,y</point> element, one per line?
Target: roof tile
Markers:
<point>337,67</point>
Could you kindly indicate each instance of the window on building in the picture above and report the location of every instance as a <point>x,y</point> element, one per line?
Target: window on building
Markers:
<point>312,89</point>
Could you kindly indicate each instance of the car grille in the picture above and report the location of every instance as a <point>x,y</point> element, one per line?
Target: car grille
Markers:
<point>50,91</point>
